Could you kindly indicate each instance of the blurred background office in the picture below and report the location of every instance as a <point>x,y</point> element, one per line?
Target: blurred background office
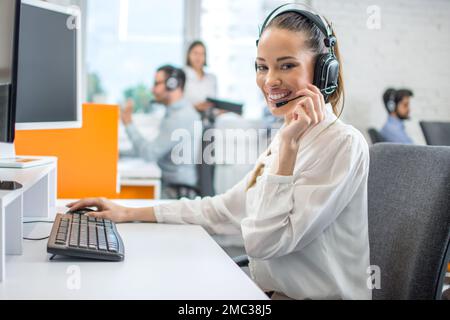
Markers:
<point>400,44</point>
<point>386,44</point>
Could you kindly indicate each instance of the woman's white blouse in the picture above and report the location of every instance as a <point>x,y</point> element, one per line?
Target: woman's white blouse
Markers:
<point>196,89</point>
<point>306,234</point>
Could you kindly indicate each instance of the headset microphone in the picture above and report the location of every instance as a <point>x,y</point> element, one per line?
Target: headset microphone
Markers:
<point>323,91</point>
<point>282,104</point>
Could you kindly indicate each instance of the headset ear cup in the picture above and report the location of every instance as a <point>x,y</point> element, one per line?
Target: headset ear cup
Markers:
<point>326,74</point>
<point>391,105</point>
<point>171,83</point>
<point>318,72</point>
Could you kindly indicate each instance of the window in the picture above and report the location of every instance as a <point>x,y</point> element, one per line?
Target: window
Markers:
<point>230,29</point>
<point>126,41</point>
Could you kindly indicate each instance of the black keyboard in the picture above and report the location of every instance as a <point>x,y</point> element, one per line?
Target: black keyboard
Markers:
<point>75,234</point>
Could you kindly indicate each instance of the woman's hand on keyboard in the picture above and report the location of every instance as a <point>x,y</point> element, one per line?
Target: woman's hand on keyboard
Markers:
<point>106,209</point>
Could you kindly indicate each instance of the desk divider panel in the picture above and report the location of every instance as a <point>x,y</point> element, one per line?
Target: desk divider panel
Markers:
<point>87,157</point>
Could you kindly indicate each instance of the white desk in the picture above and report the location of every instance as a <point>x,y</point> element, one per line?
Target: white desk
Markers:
<point>37,198</point>
<point>136,172</point>
<point>161,262</point>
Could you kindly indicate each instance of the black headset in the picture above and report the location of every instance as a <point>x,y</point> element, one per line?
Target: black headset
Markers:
<point>326,72</point>
<point>173,82</point>
<point>391,104</point>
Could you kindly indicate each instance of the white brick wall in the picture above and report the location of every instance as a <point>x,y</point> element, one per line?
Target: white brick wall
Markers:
<point>411,49</point>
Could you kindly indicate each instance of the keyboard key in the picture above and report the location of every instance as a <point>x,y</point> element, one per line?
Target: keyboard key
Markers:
<point>61,236</point>
<point>92,236</point>
<point>101,239</point>
<point>74,236</point>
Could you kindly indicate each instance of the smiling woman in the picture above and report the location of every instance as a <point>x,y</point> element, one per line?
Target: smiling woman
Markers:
<point>302,211</point>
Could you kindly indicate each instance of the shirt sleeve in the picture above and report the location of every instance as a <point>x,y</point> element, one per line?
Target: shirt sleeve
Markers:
<point>291,212</point>
<point>220,214</point>
<point>161,145</point>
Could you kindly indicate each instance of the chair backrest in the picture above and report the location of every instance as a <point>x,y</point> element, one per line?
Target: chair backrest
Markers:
<point>436,133</point>
<point>375,136</point>
<point>205,171</point>
<point>409,219</point>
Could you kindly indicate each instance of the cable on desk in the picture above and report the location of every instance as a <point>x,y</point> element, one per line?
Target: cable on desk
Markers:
<point>30,222</point>
<point>37,239</point>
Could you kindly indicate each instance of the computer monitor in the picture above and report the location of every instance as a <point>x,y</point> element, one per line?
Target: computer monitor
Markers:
<point>7,26</point>
<point>43,67</point>
<point>48,87</point>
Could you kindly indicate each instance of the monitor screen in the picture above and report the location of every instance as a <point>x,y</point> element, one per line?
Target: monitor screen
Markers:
<point>48,72</point>
<point>6,40</point>
<point>7,27</point>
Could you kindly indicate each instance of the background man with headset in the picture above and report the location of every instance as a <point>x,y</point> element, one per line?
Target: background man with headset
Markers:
<point>397,105</point>
<point>168,90</point>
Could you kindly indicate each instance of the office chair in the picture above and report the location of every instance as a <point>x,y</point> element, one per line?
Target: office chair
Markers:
<point>185,191</point>
<point>375,136</point>
<point>409,219</point>
<point>205,184</point>
<point>205,174</point>
<point>436,133</point>
<point>205,171</point>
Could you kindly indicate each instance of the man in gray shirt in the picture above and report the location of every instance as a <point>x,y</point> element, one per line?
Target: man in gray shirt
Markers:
<point>181,118</point>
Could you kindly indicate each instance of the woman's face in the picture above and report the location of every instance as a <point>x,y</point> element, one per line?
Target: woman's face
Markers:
<point>197,57</point>
<point>284,66</point>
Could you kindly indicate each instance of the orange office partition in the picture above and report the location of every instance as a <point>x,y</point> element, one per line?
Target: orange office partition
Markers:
<point>87,157</point>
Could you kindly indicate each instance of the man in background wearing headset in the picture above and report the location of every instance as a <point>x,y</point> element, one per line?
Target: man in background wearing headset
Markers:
<point>397,105</point>
<point>168,90</point>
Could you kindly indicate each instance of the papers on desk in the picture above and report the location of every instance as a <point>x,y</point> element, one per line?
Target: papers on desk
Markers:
<point>25,162</point>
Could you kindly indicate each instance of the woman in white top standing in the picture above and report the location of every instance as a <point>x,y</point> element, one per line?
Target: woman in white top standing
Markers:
<point>303,210</point>
<point>199,83</point>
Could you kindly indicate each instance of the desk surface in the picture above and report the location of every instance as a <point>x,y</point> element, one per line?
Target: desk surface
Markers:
<point>27,177</point>
<point>161,262</point>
